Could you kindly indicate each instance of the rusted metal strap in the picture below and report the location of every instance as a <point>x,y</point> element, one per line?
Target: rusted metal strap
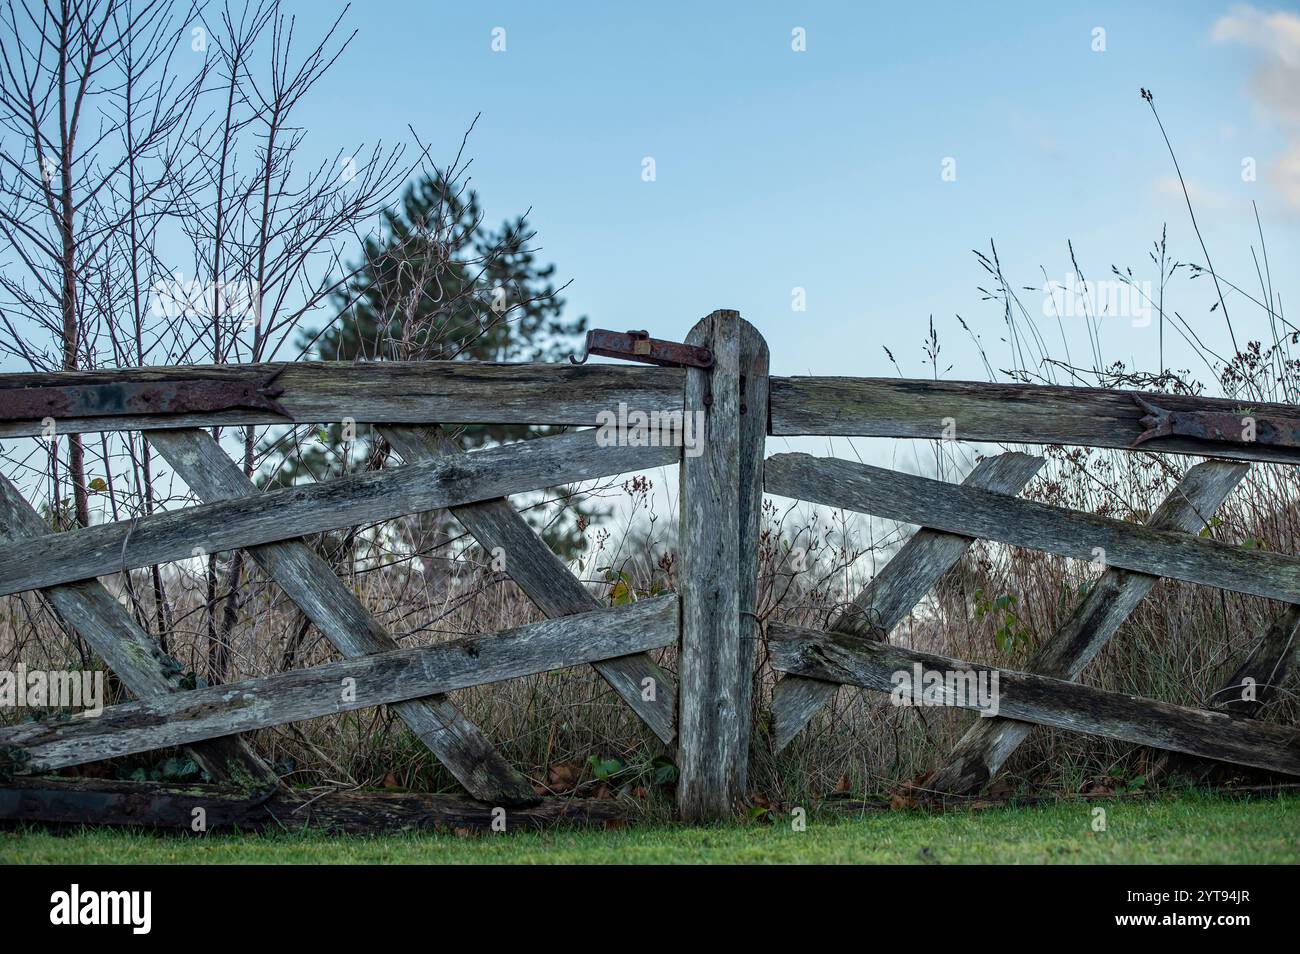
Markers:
<point>1231,427</point>
<point>639,346</point>
<point>133,399</point>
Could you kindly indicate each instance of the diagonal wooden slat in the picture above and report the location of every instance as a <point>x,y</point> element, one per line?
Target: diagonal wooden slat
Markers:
<point>126,649</point>
<point>1029,697</point>
<point>296,511</point>
<point>986,746</point>
<point>1028,523</point>
<point>545,580</point>
<point>310,582</point>
<point>891,594</point>
<point>381,679</point>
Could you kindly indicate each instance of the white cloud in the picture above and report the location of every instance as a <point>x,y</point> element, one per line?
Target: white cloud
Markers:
<point>1284,176</point>
<point>1275,39</point>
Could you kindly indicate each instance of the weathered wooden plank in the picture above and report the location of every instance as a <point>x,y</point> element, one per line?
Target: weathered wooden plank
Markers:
<point>988,743</point>
<point>638,680</point>
<point>454,392</point>
<point>1001,413</point>
<point>155,805</point>
<point>136,658</point>
<point>837,657</point>
<point>754,361</point>
<point>894,591</point>
<point>1267,667</point>
<point>297,511</point>
<point>1261,674</point>
<point>324,599</point>
<point>412,673</point>
<point>710,662</point>
<point>1027,523</point>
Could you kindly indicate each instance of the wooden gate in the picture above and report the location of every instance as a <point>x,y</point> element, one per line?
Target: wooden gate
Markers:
<point>854,649</point>
<point>711,620</point>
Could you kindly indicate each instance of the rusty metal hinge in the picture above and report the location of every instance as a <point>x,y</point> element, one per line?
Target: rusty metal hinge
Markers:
<point>136,398</point>
<point>1232,427</point>
<point>639,346</point>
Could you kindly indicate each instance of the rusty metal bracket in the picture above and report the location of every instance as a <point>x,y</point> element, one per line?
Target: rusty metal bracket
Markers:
<point>138,398</point>
<point>639,346</point>
<point>1231,427</point>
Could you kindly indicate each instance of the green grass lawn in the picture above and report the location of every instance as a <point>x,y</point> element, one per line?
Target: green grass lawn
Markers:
<point>1196,829</point>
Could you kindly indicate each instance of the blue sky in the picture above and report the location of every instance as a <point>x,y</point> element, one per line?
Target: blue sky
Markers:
<point>821,169</point>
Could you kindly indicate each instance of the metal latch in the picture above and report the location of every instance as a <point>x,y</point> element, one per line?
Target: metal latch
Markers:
<point>136,398</point>
<point>639,346</point>
<point>1230,427</point>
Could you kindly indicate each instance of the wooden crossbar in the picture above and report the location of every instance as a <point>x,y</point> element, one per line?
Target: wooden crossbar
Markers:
<point>639,681</point>
<point>837,657</point>
<point>297,511</point>
<point>187,717</point>
<point>1002,413</point>
<point>973,512</point>
<point>129,651</point>
<point>324,599</point>
<point>894,591</point>
<point>988,743</point>
<point>454,392</point>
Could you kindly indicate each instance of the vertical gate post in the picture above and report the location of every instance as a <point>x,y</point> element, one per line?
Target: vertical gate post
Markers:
<point>721,493</point>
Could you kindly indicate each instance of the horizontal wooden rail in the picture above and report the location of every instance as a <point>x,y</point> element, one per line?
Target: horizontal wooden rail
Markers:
<point>312,508</point>
<point>93,801</point>
<point>187,717</point>
<point>973,512</point>
<point>451,392</point>
<point>894,592</point>
<point>838,657</point>
<point>999,413</point>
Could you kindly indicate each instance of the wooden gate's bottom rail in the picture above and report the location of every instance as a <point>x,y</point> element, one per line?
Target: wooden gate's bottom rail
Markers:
<point>186,717</point>
<point>841,658</point>
<point>156,805</point>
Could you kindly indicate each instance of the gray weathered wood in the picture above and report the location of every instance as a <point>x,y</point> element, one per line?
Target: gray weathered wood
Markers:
<point>710,663</point>
<point>754,360</point>
<point>837,657</point>
<point>413,673</point>
<point>1027,523</point>
<point>1265,667</point>
<point>1001,413</point>
<point>453,392</point>
<point>988,743</point>
<point>126,649</point>
<point>894,591</point>
<point>324,599</point>
<point>547,582</point>
<point>297,511</point>
<point>81,801</point>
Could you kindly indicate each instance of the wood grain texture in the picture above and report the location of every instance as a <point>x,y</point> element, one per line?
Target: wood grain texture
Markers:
<point>324,599</point>
<point>1001,413</point>
<point>297,511</point>
<point>1026,523</point>
<point>161,806</point>
<point>837,657</point>
<point>754,361</point>
<point>453,392</point>
<point>135,657</point>
<point>988,743</point>
<point>894,591</point>
<point>547,582</point>
<point>413,673</point>
<point>710,664</point>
